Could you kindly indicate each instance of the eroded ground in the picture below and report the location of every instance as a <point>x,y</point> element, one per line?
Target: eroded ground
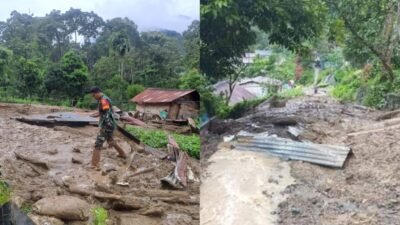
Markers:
<point>59,145</point>
<point>365,191</point>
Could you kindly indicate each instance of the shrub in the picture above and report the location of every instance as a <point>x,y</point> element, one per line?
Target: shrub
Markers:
<point>100,216</point>
<point>159,139</point>
<point>5,193</point>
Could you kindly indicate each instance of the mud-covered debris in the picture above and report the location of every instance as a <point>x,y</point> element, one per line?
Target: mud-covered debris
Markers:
<point>103,187</point>
<point>130,203</point>
<point>178,177</point>
<point>76,150</point>
<point>41,220</point>
<point>177,219</point>
<point>76,160</point>
<point>32,160</point>
<point>67,180</point>
<point>137,219</point>
<point>155,211</point>
<point>51,151</point>
<point>72,208</point>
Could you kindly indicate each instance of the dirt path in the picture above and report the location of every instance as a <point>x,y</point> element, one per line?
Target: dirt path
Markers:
<point>365,191</point>
<point>58,145</point>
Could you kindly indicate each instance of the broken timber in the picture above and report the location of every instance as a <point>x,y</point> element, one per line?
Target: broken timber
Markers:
<point>327,155</point>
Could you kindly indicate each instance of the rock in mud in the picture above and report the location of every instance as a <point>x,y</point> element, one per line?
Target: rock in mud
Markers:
<point>129,203</point>
<point>177,219</point>
<point>109,167</point>
<point>76,150</point>
<point>51,151</point>
<point>136,219</point>
<point>40,220</point>
<point>63,207</point>
<point>76,160</point>
<point>156,211</point>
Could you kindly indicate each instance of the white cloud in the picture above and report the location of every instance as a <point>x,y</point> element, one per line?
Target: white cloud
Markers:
<point>167,14</point>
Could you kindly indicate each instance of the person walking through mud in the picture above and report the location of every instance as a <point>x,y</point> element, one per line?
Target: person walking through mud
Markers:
<point>107,126</point>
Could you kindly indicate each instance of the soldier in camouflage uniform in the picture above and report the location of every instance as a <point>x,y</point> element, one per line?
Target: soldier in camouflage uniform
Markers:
<point>107,126</point>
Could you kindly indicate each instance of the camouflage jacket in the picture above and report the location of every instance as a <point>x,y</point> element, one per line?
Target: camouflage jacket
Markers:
<point>106,114</point>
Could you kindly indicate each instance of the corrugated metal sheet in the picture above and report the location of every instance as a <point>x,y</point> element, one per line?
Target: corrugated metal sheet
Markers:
<point>327,155</point>
<point>156,95</point>
<point>239,93</point>
<point>66,118</point>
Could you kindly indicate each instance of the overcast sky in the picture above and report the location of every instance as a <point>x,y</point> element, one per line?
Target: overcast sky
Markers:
<point>147,14</point>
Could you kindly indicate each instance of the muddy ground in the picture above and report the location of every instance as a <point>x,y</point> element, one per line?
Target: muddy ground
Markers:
<point>365,191</point>
<point>57,146</point>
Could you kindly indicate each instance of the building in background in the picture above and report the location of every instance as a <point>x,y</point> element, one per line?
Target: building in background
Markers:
<point>170,103</point>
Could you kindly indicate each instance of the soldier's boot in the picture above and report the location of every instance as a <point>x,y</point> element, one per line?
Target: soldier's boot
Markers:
<point>95,158</point>
<point>121,152</point>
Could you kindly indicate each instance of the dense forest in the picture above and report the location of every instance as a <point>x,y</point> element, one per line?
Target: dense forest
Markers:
<point>358,43</point>
<point>55,58</point>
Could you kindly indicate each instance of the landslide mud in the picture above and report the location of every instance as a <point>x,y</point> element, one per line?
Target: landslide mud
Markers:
<point>58,145</point>
<point>365,191</point>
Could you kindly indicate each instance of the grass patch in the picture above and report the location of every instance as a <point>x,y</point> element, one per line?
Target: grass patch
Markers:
<point>241,108</point>
<point>291,93</point>
<point>26,208</point>
<point>159,139</point>
<point>5,193</point>
<point>100,216</point>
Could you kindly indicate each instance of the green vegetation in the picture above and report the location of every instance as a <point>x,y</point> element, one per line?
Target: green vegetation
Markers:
<point>5,193</point>
<point>291,93</point>
<point>53,59</point>
<point>159,139</point>
<point>100,216</point>
<point>26,208</point>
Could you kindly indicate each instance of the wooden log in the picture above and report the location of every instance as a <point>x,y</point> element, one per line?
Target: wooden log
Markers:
<point>178,200</point>
<point>142,171</point>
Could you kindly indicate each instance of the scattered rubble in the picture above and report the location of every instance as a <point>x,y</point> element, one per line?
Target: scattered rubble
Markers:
<point>362,191</point>
<point>37,175</point>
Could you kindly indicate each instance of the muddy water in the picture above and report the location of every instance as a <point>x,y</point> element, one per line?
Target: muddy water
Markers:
<point>242,188</point>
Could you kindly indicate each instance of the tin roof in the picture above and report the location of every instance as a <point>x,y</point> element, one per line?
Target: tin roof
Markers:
<point>327,155</point>
<point>158,95</point>
<point>238,95</point>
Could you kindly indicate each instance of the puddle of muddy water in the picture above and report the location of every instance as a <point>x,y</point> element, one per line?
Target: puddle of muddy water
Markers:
<point>242,188</point>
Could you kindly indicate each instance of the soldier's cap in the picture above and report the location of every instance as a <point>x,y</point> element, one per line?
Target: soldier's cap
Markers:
<point>94,89</point>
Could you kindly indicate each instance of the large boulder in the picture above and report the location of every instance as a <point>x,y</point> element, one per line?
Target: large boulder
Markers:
<point>64,207</point>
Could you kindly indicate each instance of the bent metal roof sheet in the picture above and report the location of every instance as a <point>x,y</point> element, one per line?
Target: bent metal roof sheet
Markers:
<point>157,95</point>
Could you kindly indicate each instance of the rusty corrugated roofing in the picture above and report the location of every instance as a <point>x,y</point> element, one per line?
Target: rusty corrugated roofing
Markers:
<point>157,95</point>
<point>327,155</point>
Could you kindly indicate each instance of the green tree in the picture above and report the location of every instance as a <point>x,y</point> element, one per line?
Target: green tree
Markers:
<point>5,57</point>
<point>133,90</point>
<point>373,28</point>
<point>226,28</point>
<point>28,75</point>
<point>119,44</point>
<point>192,45</point>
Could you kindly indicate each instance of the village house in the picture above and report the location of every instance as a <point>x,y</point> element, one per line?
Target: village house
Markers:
<point>175,104</point>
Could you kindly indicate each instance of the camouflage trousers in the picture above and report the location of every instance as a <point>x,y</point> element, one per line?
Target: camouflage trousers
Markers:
<point>105,134</point>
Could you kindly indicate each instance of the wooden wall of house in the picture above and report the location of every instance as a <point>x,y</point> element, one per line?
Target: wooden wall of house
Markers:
<point>152,108</point>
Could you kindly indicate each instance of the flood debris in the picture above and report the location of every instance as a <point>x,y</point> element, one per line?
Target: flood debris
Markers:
<point>60,118</point>
<point>178,177</point>
<point>32,160</point>
<point>63,207</point>
<point>50,162</point>
<point>326,155</point>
